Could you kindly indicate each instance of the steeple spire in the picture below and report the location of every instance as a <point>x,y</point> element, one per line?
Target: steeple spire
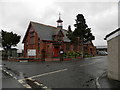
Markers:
<point>59,16</point>
<point>59,22</point>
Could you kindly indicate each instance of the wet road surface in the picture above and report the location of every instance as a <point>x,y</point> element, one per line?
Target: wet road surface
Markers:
<point>65,74</point>
<point>9,82</point>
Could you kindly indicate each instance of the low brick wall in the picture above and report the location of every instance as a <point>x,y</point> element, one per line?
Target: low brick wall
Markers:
<point>40,60</point>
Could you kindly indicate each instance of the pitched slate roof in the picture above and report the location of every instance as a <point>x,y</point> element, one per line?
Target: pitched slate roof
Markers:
<point>45,32</point>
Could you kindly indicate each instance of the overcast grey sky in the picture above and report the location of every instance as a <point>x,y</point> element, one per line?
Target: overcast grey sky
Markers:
<point>101,15</point>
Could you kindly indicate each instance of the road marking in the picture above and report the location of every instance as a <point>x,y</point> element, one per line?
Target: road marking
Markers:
<point>7,72</point>
<point>41,84</point>
<point>11,75</point>
<point>15,78</point>
<point>48,73</point>
<point>1,65</point>
<point>45,87</point>
<point>37,83</point>
<point>27,86</point>
<point>20,81</point>
<point>45,74</point>
<point>31,79</point>
<point>4,70</point>
<point>97,83</point>
<point>24,83</point>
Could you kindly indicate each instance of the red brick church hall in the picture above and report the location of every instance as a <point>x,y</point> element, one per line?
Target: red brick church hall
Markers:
<point>45,42</point>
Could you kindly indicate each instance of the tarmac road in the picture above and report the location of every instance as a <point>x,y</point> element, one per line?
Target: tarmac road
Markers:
<point>61,74</point>
<point>9,82</point>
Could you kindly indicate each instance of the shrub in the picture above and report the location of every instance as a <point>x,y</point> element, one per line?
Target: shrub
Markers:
<point>64,55</point>
<point>73,54</point>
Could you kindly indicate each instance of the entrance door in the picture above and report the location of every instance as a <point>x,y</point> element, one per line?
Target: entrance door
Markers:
<point>56,51</point>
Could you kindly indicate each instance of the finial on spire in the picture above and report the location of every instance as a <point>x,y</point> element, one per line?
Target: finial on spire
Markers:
<point>59,21</point>
<point>59,16</point>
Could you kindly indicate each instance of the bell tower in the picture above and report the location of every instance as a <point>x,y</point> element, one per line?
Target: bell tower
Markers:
<point>59,22</point>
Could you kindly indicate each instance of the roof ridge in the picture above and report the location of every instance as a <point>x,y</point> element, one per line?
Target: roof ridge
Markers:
<point>44,24</point>
<point>46,29</point>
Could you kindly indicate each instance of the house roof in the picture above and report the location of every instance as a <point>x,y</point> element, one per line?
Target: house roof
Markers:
<point>45,32</point>
<point>114,33</point>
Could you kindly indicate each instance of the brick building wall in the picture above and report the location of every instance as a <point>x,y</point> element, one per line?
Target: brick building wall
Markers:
<point>33,44</point>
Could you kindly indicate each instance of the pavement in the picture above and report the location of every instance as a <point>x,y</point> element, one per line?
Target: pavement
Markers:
<point>105,82</point>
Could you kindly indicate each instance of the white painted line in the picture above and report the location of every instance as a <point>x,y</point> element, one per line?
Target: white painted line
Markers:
<point>97,83</point>
<point>31,79</point>
<point>11,74</point>
<point>41,84</point>
<point>37,83</point>
<point>15,78</point>
<point>45,87</point>
<point>27,86</point>
<point>7,72</point>
<point>24,84</point>
<point>20,81</point>
<point>45,74</point>
<point>1,65</point>
<point>48,73</point>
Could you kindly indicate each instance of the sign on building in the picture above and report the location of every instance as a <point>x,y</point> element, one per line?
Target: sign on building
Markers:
<point>31,52</point>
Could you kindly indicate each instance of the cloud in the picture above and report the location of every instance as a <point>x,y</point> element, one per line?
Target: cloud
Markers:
<point>101,17</point>
<point>16,16</point>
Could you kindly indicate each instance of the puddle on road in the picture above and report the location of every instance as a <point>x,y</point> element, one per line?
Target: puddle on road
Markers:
<point>89,83</point>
